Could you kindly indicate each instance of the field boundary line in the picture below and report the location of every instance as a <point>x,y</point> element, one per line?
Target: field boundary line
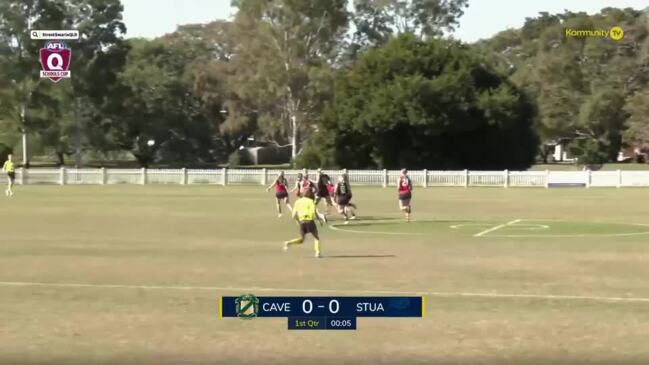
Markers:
<point>335,291</point>
<point>495,228</point>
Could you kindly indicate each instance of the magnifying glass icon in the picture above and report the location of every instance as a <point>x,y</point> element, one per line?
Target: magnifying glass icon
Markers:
<point>34,34</point>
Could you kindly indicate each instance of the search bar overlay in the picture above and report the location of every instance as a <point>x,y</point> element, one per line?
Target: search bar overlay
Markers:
<point>54,34</point>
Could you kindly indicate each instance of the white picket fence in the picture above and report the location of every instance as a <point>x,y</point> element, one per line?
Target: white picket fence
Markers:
<point>425,178</point>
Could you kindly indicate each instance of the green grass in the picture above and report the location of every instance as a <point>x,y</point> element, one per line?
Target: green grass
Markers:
<point>182,243</point>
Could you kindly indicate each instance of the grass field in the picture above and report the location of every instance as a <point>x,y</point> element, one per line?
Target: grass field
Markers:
<point>132,275</point>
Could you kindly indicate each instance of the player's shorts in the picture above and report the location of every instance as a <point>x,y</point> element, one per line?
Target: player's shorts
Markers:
<point>308,227</point>
<point>281,195</point>
<point>322,193</point>
<point>343,199</point>
<point>405,196</point>
<point>11,175</point>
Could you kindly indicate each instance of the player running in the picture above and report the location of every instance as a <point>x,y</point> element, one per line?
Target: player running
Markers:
<point>322,187</point>
<point>331,189</point>
<point>405,193</point>
<point>281,192</point>
<point>305,214</point>
<point>302,185</point>
<point>10,169</point>
<point>349,186</point>
<point>343,196</point>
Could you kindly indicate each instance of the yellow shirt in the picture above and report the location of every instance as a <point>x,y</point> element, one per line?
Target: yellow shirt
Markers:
<point>304,208</point>
<point>8,166</point>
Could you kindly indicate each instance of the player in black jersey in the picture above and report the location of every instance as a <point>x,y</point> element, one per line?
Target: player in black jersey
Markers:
<point>343,197</point>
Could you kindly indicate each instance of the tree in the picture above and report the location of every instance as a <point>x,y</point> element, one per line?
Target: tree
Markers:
<point>637,107</point>
<point>283,56</point>
<point>156,102</point>
<point>376,21</point>
<point>98,57</point>
<point>418,104</point>
<point>601,123</point>
<point>213,74</point>
<point>567,76</point>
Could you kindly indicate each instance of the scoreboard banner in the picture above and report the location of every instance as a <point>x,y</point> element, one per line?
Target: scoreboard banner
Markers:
<point>309,313</point>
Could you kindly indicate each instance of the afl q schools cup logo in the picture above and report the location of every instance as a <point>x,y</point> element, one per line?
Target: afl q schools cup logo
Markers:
<point>55,60</point>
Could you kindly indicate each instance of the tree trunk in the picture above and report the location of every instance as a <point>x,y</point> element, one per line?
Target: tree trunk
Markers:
<point>142,160</point>
<point>23,128</point>
<point>60,156</point>
<point>293,139</point>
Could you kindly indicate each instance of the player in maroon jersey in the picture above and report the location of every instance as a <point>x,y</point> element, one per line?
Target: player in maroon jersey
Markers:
<point>302,185</point>
<point>297,186</point>
<point>405,193</point>
<point>281,192</point>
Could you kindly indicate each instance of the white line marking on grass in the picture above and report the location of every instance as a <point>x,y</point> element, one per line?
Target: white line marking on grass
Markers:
<point>462,225</point>
<point>334,291</point>
<point>336,227</point>
<point>495,228</point>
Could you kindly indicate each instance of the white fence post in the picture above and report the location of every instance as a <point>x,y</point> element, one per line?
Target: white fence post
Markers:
<point>62,176</point>
<point>104,177</point>
<point>547,179</point>
<point>619,178</point>
<point>224,171</point>
<point>385,178</point>
<point>184,176</point>
<point>466,178</point>
<point>588,178</point>
<point>143,176</point>
<point>264,178</point>
<point>506,174</point>
<point>22,176</point>
<point>425,178</point>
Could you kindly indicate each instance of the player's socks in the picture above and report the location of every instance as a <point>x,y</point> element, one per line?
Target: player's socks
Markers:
<point>296,241</point>
<point>317,249</point>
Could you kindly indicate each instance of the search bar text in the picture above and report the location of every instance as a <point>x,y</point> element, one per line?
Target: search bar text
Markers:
<point>54,34</point>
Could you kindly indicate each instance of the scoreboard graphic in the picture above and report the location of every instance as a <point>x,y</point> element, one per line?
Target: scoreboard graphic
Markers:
<point>321,313</point>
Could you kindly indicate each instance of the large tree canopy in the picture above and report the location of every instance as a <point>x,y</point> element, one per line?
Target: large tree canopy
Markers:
<point>576,80</point>
<point>425,104</point>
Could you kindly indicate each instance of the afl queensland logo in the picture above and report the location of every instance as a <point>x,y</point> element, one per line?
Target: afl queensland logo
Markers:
<point>55,61</point>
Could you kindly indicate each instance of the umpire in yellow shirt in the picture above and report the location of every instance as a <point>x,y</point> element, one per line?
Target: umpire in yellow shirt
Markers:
<point>10,169</point>
<point>305,213</point>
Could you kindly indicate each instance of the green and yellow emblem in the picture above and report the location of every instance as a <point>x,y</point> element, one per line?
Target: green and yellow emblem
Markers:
<point>247,306</point>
